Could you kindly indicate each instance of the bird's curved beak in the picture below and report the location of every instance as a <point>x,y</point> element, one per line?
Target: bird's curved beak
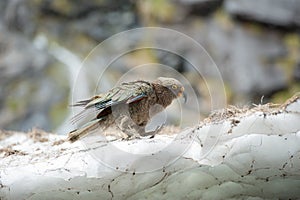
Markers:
<point>182,94</point>
<point>184,97</point>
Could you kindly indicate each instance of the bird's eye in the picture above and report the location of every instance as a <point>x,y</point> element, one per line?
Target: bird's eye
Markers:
<point>174,87</point>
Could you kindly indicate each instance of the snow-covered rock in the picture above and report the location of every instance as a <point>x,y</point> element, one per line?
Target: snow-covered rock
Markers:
<point>236,153</point>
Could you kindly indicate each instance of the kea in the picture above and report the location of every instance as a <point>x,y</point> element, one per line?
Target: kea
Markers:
<point>129,106</point>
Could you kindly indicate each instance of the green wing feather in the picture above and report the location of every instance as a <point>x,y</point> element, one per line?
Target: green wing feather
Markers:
<point>126,93</point>
<point>100,105</point>
<point>122,94</point>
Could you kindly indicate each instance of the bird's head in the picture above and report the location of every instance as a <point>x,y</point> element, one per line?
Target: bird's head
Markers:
<point>173,85</point>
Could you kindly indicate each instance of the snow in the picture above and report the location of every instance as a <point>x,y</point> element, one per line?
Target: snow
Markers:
<point>254,155</point>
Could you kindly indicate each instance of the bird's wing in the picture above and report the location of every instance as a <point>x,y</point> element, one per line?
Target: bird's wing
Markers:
<point>126,93</point>
<point>87,101</point>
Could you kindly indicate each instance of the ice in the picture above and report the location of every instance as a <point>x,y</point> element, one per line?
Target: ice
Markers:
<point>257,158</point>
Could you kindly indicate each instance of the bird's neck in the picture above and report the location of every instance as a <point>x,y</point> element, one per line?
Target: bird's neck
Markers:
<point>163,94</point>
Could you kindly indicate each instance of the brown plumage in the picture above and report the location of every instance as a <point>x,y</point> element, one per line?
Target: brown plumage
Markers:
<point>129,106</point>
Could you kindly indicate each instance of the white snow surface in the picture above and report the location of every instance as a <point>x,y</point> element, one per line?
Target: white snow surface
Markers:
<point>255,155</point>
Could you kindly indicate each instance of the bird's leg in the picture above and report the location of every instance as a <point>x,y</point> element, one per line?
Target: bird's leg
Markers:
<point>143,132</point>
<point>127,126</point>
<point>131,137</point>
<point>132,130</point>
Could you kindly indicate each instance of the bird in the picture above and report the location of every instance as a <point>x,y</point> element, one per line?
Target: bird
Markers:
<point>129,106</point>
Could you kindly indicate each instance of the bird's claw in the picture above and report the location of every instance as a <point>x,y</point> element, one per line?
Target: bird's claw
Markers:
<point>159,128</point>
<point>131,138</point>
<point>153,133</point>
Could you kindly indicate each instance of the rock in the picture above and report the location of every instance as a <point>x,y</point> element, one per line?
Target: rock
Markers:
<point>200,7</point>
<point>247,57</point>
<point>32,85</point>
<point>96,19</point>
<point>18,16</point>
<point>100,26</point>
<point>284,13</point>
<point>297,72</point>
<point>245,54</point>
<point>35,90</point>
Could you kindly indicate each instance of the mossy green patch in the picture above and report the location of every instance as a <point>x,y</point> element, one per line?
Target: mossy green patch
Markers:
<point>59,109</point>
<point>155,11</point>
<point>20,96</point>
<point>224,19</point>
<point>282,96</point>
<point>289,62</point>
<point>58,112</point>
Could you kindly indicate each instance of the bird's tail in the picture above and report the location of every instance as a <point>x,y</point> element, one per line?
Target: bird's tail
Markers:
<point>82,132</point>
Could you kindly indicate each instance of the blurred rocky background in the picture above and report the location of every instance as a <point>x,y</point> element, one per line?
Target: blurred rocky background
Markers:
<point>255,44</point>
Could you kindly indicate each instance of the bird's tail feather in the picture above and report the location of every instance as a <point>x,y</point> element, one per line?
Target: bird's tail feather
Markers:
<point>82,132</point>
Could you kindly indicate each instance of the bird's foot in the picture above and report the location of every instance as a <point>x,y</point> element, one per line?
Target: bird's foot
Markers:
<point>151,137</point>
<point>131,137</point>
<point>159,128</point>
<point>153,133</point>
